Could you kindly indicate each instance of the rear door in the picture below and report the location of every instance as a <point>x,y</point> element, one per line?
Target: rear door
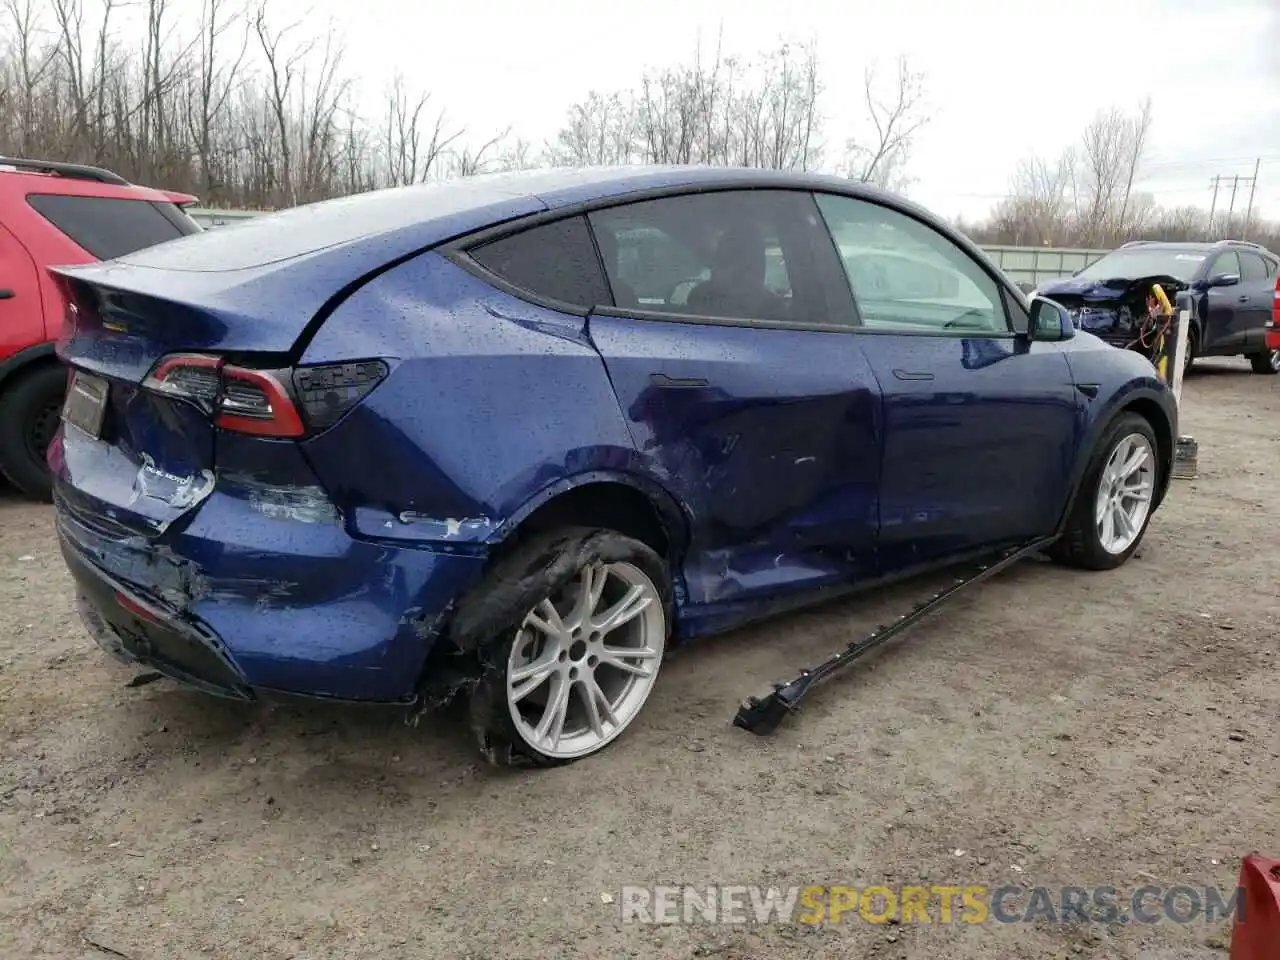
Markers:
<point>1254,312</point>
<point>743,387</point>
<point>980,427</point>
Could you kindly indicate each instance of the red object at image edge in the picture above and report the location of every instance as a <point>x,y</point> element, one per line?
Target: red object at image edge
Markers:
<point>1257,927</point>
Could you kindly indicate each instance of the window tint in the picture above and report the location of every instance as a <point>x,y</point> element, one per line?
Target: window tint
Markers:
<point>108,227</point>
<point>907,276</point>
<point>730,255</point>
<point>556,260</point>
<point>1227,262</point>
<point>1252,269</point>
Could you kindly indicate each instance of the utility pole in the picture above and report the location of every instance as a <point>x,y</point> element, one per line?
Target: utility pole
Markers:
<point>1236,182</point>
<point>1253,189</point>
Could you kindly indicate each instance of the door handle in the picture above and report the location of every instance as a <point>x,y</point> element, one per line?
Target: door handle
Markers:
<point>1243,298</point>
<point>662,380</point>
<point>6,294</point>
<point>912,375</point>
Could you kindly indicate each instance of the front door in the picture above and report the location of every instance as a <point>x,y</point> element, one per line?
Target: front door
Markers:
<point>980,426</point>
<point>742,390</point>
<point>1227,306</point>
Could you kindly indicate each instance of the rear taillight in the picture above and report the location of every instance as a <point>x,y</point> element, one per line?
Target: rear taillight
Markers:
<point>265,403</point>
<point>1275,306</point>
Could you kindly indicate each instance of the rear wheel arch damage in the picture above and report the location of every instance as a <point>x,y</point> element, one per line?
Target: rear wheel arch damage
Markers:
<point>543,550</point>
<point>488,619</point>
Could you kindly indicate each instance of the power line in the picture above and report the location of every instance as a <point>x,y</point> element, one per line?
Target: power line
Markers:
<point>1236,181</point>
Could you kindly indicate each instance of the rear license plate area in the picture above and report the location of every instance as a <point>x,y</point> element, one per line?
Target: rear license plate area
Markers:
<point>85,407</point>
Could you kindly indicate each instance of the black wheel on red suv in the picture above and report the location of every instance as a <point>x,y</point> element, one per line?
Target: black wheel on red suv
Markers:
<point>29,407</point>
<point>1266,363</point>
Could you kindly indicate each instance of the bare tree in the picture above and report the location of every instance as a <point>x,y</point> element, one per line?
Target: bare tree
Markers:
<point>718,111</point>
<point>896,119</point>
<point>597,133</point>
<point>468,162</point>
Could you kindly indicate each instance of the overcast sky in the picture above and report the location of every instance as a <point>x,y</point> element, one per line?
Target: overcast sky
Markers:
<point>1006,78</point>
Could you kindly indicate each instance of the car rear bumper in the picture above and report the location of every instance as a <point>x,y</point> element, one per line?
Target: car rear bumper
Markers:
<point>134,630</point>
<point>238,603</point>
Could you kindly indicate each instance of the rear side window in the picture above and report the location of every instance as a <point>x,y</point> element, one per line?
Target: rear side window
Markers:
<point>1252,268</point>
<point>554,261</point>
<point>107,227</point>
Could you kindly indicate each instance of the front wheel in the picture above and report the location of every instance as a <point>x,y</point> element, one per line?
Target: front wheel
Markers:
<point>1113,506</point>
<point>1266,363</point>
<point>579,665</point>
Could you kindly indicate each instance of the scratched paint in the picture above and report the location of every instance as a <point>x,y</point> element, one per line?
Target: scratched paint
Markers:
<point>450,528</point>
<point>299,503</point>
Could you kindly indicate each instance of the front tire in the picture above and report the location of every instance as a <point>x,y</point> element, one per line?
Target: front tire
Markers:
<point>573,673</point>
<point>1266,363</point>
<point>29,410</point>
<point>1193,344</point>
<point>1113,506</point>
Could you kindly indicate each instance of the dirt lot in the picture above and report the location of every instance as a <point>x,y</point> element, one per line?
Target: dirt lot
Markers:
<point>1056,729</point>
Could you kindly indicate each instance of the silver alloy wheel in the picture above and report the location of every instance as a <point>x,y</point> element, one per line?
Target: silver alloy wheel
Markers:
<point>584,662</point>
<point>1274,358</point>
<point>1124,493</point>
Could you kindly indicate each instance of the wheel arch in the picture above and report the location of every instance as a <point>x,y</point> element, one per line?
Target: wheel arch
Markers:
<point>630,504</point>
<point>1148,403</point>
<point>624,502</point>
<point>26,360</point>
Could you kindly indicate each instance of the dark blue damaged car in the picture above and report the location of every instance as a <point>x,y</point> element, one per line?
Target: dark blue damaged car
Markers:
<point>514,435</point>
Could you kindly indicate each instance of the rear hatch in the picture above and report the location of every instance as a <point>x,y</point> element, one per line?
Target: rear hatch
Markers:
<point>138,444</point>
<point>184,356</point>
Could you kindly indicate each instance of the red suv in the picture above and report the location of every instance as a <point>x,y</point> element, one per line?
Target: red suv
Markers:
<point>53,214</point>
<point>1273,328</point>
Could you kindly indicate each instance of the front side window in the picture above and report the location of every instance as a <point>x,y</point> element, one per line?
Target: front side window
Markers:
<point>1227,263</point>
<point>726,255</point>
<point>908,277</point>
<point>554,261</point>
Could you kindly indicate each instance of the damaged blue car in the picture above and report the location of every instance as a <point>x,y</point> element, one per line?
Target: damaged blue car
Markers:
<point>513,435</point>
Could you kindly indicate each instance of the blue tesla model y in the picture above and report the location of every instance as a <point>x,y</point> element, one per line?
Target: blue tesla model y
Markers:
<point>515,434</point>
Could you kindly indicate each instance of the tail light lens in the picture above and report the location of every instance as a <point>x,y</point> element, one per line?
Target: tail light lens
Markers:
<point>288,402</point>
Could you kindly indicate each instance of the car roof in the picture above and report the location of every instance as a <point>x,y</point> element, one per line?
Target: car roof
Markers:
<point>399,221</point>
<point>1200,246</point>
<point>24,182</point>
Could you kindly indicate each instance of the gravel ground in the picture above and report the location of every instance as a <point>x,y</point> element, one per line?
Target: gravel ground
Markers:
<point>1057,728</point>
